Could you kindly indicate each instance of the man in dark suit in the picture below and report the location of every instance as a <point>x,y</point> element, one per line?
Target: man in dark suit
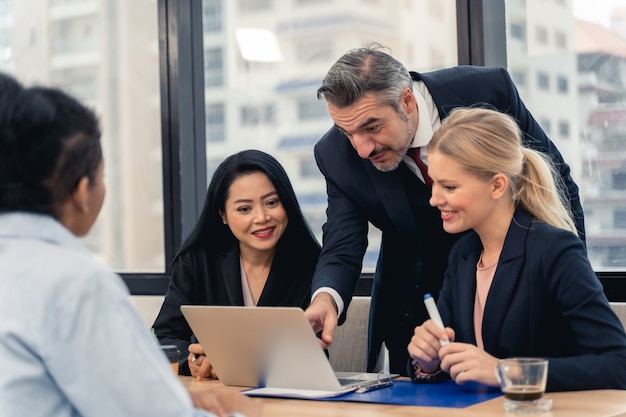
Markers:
<point>382,114</point>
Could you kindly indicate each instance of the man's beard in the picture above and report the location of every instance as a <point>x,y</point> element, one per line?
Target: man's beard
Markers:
<point>397,154</point>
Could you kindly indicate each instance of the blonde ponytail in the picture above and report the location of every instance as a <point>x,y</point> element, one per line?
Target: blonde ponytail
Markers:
<point>539,192</point>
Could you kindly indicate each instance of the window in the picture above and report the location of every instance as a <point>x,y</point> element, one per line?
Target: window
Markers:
<point>543,81</point>
<point>560,40</point>
<point>619,179</point>
<point>619,218</point>
<point>74,35</point>
<point>618,254</point>
<point>110,61</point>
<point>295,44</point>
<point>589,107</point>
<point>311,109</point>
<point>519,78</point>
<point>562,84</point>
<point>5,47</point>
<point>564,129</point>
<point>252,115</point>
<point>213,67</point>
<point>308,168</point>
<point>546,125</point>
<point>215,129</point>
<point>212,15</point>
<point>517,31</point>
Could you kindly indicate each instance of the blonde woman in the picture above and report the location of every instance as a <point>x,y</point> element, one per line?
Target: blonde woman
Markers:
<point>519,283</point>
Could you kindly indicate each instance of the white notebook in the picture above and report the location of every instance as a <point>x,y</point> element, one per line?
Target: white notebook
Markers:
<point>273,349</point>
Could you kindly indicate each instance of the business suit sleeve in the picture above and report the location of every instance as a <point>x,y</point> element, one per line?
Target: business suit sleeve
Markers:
<point>170,326</point>
<point>598,359</point>
<point>345,231</point>
<point>536,138</point>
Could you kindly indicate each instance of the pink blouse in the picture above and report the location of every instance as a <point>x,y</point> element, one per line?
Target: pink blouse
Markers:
<point>484,276</point>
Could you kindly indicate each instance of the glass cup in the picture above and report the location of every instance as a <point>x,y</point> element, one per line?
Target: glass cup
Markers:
<point>173,356</point>
<point>523,382</point>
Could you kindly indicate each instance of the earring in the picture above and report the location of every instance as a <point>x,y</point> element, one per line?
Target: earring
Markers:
<point>223,221</point>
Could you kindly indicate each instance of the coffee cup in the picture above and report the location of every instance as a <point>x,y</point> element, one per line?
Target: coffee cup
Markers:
<point>523,383</point>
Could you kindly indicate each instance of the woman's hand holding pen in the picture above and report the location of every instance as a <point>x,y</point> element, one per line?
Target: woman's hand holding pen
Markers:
<point>462,361</point>
<point>425,345</point>
<point>465,362</point>
<point>199,365</point>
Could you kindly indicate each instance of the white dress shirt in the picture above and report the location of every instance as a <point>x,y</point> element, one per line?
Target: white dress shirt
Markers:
<point>427,124</point>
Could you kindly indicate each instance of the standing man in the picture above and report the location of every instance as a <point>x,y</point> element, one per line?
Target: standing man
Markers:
<point>374,162</point>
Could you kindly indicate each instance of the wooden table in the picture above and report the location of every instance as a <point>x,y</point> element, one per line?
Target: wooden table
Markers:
<point>597,403</point>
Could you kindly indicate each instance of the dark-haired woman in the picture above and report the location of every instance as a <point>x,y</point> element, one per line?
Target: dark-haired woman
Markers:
<point>71,343</point>
<point>251,247</point>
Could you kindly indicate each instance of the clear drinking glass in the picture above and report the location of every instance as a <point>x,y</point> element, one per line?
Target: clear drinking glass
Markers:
<point>523,382</point>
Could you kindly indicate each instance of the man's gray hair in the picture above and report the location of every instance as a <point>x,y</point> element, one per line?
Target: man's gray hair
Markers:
<point>363,70</point>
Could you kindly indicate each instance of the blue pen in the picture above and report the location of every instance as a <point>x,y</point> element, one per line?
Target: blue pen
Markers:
<point>433,312</point>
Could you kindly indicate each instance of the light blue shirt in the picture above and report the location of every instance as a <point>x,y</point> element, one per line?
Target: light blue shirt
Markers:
<point>71,343</point>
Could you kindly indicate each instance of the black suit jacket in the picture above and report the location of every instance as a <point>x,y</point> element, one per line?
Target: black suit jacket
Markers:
<point>201,278</point>
<point>544,301</point>
<point>414,247</point>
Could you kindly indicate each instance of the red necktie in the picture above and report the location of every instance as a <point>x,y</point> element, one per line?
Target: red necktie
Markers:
<point>414,153</point>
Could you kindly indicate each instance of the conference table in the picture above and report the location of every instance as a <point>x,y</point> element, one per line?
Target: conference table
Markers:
<point>593,403</point>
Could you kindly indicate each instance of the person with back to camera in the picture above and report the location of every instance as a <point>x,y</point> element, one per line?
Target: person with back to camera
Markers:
<point>383,115</point>
<point>71,343</point>
<point>519,283</point>
<point>250,247</point>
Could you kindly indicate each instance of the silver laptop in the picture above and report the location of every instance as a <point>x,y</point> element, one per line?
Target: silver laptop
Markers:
<point>273,348</point>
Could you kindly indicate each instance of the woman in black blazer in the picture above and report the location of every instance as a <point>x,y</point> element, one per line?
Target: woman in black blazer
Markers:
<point>520,283</point>
<point>251,246</point>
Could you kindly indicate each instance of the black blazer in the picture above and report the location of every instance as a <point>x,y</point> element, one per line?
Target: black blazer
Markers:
<point>200,278</point>
<point>414,247</point>
<point>545,300</point>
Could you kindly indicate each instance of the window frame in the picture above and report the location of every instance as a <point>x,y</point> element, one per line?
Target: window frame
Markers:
<point>183,131</point>
<point>481,39</point>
